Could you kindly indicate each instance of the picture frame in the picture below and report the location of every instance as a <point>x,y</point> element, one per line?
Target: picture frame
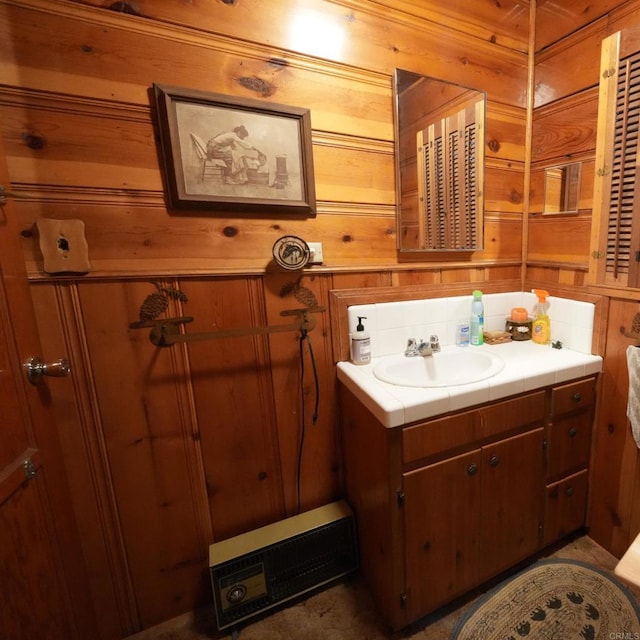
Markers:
<point>234,154</point>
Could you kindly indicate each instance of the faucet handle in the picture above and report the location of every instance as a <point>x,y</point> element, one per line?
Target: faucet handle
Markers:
<point>434,342</point>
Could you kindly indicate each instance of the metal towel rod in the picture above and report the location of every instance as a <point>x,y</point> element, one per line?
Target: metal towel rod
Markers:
<point>165,332</point>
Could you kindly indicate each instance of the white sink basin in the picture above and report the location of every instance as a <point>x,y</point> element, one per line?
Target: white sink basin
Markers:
<point>447,368</point>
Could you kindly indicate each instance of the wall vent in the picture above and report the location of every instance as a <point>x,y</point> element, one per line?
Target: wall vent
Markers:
<point>263,568</point>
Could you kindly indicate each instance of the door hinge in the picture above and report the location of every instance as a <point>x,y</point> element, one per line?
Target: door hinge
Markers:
<point>29,469</point>
<point>400,495</point>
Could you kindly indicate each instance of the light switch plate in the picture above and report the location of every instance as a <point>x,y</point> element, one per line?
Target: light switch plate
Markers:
<point>316,252</point>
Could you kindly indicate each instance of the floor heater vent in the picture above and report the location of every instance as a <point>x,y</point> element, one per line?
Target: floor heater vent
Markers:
<point>263,568</point>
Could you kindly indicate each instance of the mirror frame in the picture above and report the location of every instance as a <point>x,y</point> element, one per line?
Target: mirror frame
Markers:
<point>452,96</point>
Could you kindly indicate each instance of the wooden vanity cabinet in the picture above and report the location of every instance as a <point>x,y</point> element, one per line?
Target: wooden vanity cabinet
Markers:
<point>446,504</point>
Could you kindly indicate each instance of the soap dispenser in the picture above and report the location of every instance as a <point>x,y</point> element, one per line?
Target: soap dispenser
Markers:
<point>360,344</point>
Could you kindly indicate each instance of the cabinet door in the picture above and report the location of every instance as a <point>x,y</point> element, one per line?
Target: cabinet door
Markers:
<point>566,506</point>
<point>441,519</point>
<point>512,501</point>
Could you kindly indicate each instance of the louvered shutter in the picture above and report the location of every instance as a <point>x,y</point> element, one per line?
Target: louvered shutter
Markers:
<point>448,181</point>
<point>624,203</point>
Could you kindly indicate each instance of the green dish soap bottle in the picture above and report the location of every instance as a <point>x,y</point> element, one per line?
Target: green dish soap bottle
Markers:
<point>541,327</point>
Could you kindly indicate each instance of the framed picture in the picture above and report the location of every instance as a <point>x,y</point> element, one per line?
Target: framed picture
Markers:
<point>234,154</point>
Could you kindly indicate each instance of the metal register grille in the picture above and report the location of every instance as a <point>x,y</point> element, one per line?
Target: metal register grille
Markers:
<point>257,581</point>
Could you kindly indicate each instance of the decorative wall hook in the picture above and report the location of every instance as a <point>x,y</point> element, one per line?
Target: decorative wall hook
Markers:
<point>634,334</point>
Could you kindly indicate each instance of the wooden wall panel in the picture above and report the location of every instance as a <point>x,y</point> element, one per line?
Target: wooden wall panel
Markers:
<point>150,439</point>
<point>173,448</point>
<point>560,239</point>
<point>234,404</point>
<point>615,485</point>
<point>51,141</point>
<point>504,187</point>
<point>502,239</point>
<point>191,245</point>
<point>361,280</point>
<point>566,128</point>
<point>557,18</point>
<point>570,65</point>
<point>504,23</point>
<point>92,48</point>
<point>357,27</point>
<point>307,416</point>
<point>505,132</point>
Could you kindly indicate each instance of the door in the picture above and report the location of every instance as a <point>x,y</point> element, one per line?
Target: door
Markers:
<point>44,593</point>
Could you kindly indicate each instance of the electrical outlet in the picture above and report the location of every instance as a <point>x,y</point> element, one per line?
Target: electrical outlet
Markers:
<point>316,252</point>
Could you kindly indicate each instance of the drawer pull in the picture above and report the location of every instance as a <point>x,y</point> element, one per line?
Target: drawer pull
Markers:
<point>494,461</point>
<point>569,491</point>
<point>577,397</point>
<point>472,469</point>
<point>573,432</point>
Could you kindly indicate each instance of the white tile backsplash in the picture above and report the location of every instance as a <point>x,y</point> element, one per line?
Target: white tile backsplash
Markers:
<point>391,324</point>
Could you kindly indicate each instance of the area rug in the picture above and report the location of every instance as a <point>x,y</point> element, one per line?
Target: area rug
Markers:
<point>554,599</point>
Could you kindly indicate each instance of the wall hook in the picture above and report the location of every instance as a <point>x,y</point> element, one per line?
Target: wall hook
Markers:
<point>634,334</point>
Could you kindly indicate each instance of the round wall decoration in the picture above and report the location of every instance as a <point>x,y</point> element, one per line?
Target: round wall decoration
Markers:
<point>291,252</point>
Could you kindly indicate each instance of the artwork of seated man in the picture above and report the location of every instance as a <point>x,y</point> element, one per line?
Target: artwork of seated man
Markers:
<point>237,154</point>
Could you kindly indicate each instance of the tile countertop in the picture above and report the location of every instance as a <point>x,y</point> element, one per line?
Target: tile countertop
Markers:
<point>528,366</point>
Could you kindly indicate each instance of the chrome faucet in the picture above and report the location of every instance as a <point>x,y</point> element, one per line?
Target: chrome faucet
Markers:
<point>422,348</point>
<point>417,348</point>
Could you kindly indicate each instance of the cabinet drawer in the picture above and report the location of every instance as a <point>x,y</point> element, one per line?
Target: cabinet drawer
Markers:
<point>566,506</point>
<point>568,444</point>
<point>429,438</point>
<point>465,429</point>
<point>573,396</point>
<point>506,415</point>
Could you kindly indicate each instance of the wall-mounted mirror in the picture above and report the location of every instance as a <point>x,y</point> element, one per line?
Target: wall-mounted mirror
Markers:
<point>439,129</point>
<point>562,188</point>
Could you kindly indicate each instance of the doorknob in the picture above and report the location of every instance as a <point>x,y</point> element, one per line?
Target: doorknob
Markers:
<point>35,369</point>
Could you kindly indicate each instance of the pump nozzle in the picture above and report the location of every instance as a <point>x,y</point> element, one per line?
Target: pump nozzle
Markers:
<point>541,293</point>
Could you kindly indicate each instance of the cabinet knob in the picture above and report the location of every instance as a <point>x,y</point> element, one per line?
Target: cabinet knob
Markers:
<point>569,491</point>
<point>472,469</point>
<point>577,397</point>
<point>494,461</point>
<point>573,432</point>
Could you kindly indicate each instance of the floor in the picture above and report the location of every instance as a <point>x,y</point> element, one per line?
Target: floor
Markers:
<point>345,611</point>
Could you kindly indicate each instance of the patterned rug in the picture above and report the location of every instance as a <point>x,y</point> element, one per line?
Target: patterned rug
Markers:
<point>554,599</point>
